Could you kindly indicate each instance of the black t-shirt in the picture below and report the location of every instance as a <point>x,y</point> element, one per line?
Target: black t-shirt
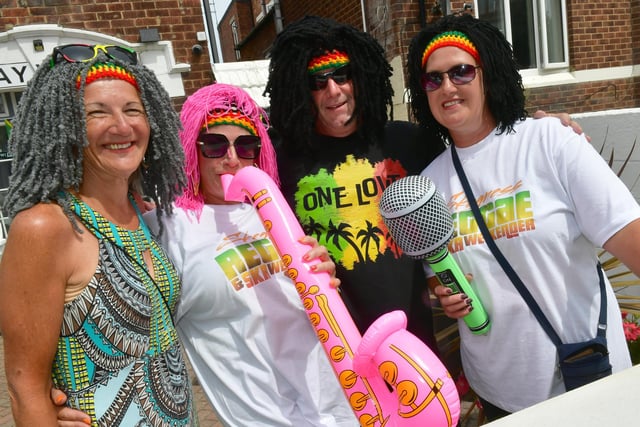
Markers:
<point>334,189</point>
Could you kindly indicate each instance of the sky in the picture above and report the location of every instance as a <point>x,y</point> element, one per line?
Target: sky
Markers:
<point>220,6</point>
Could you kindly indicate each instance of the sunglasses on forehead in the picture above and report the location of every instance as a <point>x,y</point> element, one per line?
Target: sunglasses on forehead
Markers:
<point>459,75</point>
<point>84,52</point>
<point>215,145</point>
<point>340,75</point>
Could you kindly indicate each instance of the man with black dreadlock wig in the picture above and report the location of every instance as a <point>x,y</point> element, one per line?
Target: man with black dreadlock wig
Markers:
<point>291,104</point>
<point>331,103</point>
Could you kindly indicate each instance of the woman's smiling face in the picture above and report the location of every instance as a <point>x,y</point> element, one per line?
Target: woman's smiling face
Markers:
<point>460,108</point>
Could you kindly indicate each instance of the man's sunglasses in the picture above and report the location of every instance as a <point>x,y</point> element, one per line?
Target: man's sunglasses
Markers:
<point>85,52</point>
<point>340,75</point>
<point>215,145</point>
<point>459,75</point>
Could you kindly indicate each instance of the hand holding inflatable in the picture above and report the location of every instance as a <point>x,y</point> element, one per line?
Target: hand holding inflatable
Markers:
<point>389,376</point>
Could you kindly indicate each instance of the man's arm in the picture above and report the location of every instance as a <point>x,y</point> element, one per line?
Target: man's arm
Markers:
<point>565,119</point>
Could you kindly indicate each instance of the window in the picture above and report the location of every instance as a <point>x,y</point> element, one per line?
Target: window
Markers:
<point>537,30</point>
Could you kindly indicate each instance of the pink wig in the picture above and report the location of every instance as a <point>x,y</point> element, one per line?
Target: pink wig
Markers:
<point>196,111</point>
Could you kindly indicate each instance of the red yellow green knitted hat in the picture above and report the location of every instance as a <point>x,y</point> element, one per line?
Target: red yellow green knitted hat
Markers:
<point>333,59</point>
<point>232,117</point>
<point>450,38</point>
<point>101,70</point>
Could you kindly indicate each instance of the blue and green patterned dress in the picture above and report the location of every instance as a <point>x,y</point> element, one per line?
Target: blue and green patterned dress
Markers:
<point>119,359</point>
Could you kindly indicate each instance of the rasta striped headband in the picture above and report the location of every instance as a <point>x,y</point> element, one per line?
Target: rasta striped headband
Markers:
<point>333,59</point>
<point>107,71</point>
<point>233,117</point>
<point>450,38</point>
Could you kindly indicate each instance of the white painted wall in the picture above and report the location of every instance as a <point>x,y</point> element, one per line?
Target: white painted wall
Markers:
<point>615,132</point>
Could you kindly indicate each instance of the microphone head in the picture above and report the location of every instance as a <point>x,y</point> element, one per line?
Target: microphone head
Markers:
<point>417,216</point>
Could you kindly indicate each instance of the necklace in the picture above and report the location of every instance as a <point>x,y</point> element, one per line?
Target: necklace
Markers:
<point>134,243</point>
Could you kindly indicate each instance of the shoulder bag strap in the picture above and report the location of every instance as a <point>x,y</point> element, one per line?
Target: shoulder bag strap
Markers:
<point>513,276</point>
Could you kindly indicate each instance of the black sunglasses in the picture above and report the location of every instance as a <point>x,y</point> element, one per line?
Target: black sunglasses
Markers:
<point>340,75</point>
<point>84,52</point>
<point>459,75</point>
<point>215,145</point>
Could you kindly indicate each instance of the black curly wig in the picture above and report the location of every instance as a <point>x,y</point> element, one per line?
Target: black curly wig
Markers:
<point>501,78</point>
<point>292,112</point>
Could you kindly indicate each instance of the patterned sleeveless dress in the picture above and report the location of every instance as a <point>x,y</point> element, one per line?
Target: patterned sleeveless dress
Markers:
<point>119,359</point>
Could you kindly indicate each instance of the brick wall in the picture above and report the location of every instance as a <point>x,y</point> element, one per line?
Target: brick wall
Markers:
<point>584,97</point>
<point>635,30</point>
<point>602,34</point>
<point>599,34</point>
<point>227,45</point>
<point>254,40</point>
<point>176,20</point>
<point>347,11</point>
<point>258,45</point>
<point>394,24</point>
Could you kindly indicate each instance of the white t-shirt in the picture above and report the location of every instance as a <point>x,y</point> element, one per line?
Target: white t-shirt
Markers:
<point>549,200</point>
<point>243,326</point>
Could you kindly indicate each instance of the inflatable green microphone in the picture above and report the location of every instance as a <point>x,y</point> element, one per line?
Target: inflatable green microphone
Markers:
<point>420,222</point>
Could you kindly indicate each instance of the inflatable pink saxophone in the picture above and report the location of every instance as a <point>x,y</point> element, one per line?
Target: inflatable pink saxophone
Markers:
<point>389,376</point>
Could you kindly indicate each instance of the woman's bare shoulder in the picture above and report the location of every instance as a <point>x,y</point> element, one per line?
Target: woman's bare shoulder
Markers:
<point>44,236</point>
<point>42,221</point>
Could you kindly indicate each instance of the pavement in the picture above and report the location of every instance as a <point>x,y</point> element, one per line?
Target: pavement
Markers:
<point>206,413</point>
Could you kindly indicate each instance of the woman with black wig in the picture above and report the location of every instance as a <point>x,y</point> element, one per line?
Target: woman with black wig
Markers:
<point>548,198</point>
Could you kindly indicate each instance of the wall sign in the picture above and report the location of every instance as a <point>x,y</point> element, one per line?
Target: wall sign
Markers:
<point>15,75</point>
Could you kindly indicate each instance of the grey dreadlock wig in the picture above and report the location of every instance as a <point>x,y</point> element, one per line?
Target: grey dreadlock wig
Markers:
<point>292,113</point>
<point>49,136</point>
<point>502,81</point>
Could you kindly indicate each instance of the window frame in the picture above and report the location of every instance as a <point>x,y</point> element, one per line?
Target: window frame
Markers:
<point>542,48</point>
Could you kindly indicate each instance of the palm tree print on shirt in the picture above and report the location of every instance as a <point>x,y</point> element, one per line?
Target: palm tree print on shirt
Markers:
<point>340,209</point>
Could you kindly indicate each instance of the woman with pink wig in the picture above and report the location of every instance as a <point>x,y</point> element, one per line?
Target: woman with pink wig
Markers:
<point>240,318</point>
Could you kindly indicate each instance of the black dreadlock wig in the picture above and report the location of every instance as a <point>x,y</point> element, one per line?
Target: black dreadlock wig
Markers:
<point>49,136</point>
<point>292,113</point>
<point>502,81</point>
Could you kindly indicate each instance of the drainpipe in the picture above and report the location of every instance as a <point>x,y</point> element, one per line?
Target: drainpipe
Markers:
<point>211,31</point>
<point>423,13</point>
<point>364,17</point>
<point>277,16</point>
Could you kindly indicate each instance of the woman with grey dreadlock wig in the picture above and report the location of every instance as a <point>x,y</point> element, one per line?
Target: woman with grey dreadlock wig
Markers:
<point>49,136</point>
<point>87,295</point>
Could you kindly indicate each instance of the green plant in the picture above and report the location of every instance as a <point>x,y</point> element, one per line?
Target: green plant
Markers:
<point>625,284</point>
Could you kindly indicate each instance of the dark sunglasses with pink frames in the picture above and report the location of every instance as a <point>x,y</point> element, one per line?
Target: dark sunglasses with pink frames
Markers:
<point>216,145</point>
<point>459,75</point>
